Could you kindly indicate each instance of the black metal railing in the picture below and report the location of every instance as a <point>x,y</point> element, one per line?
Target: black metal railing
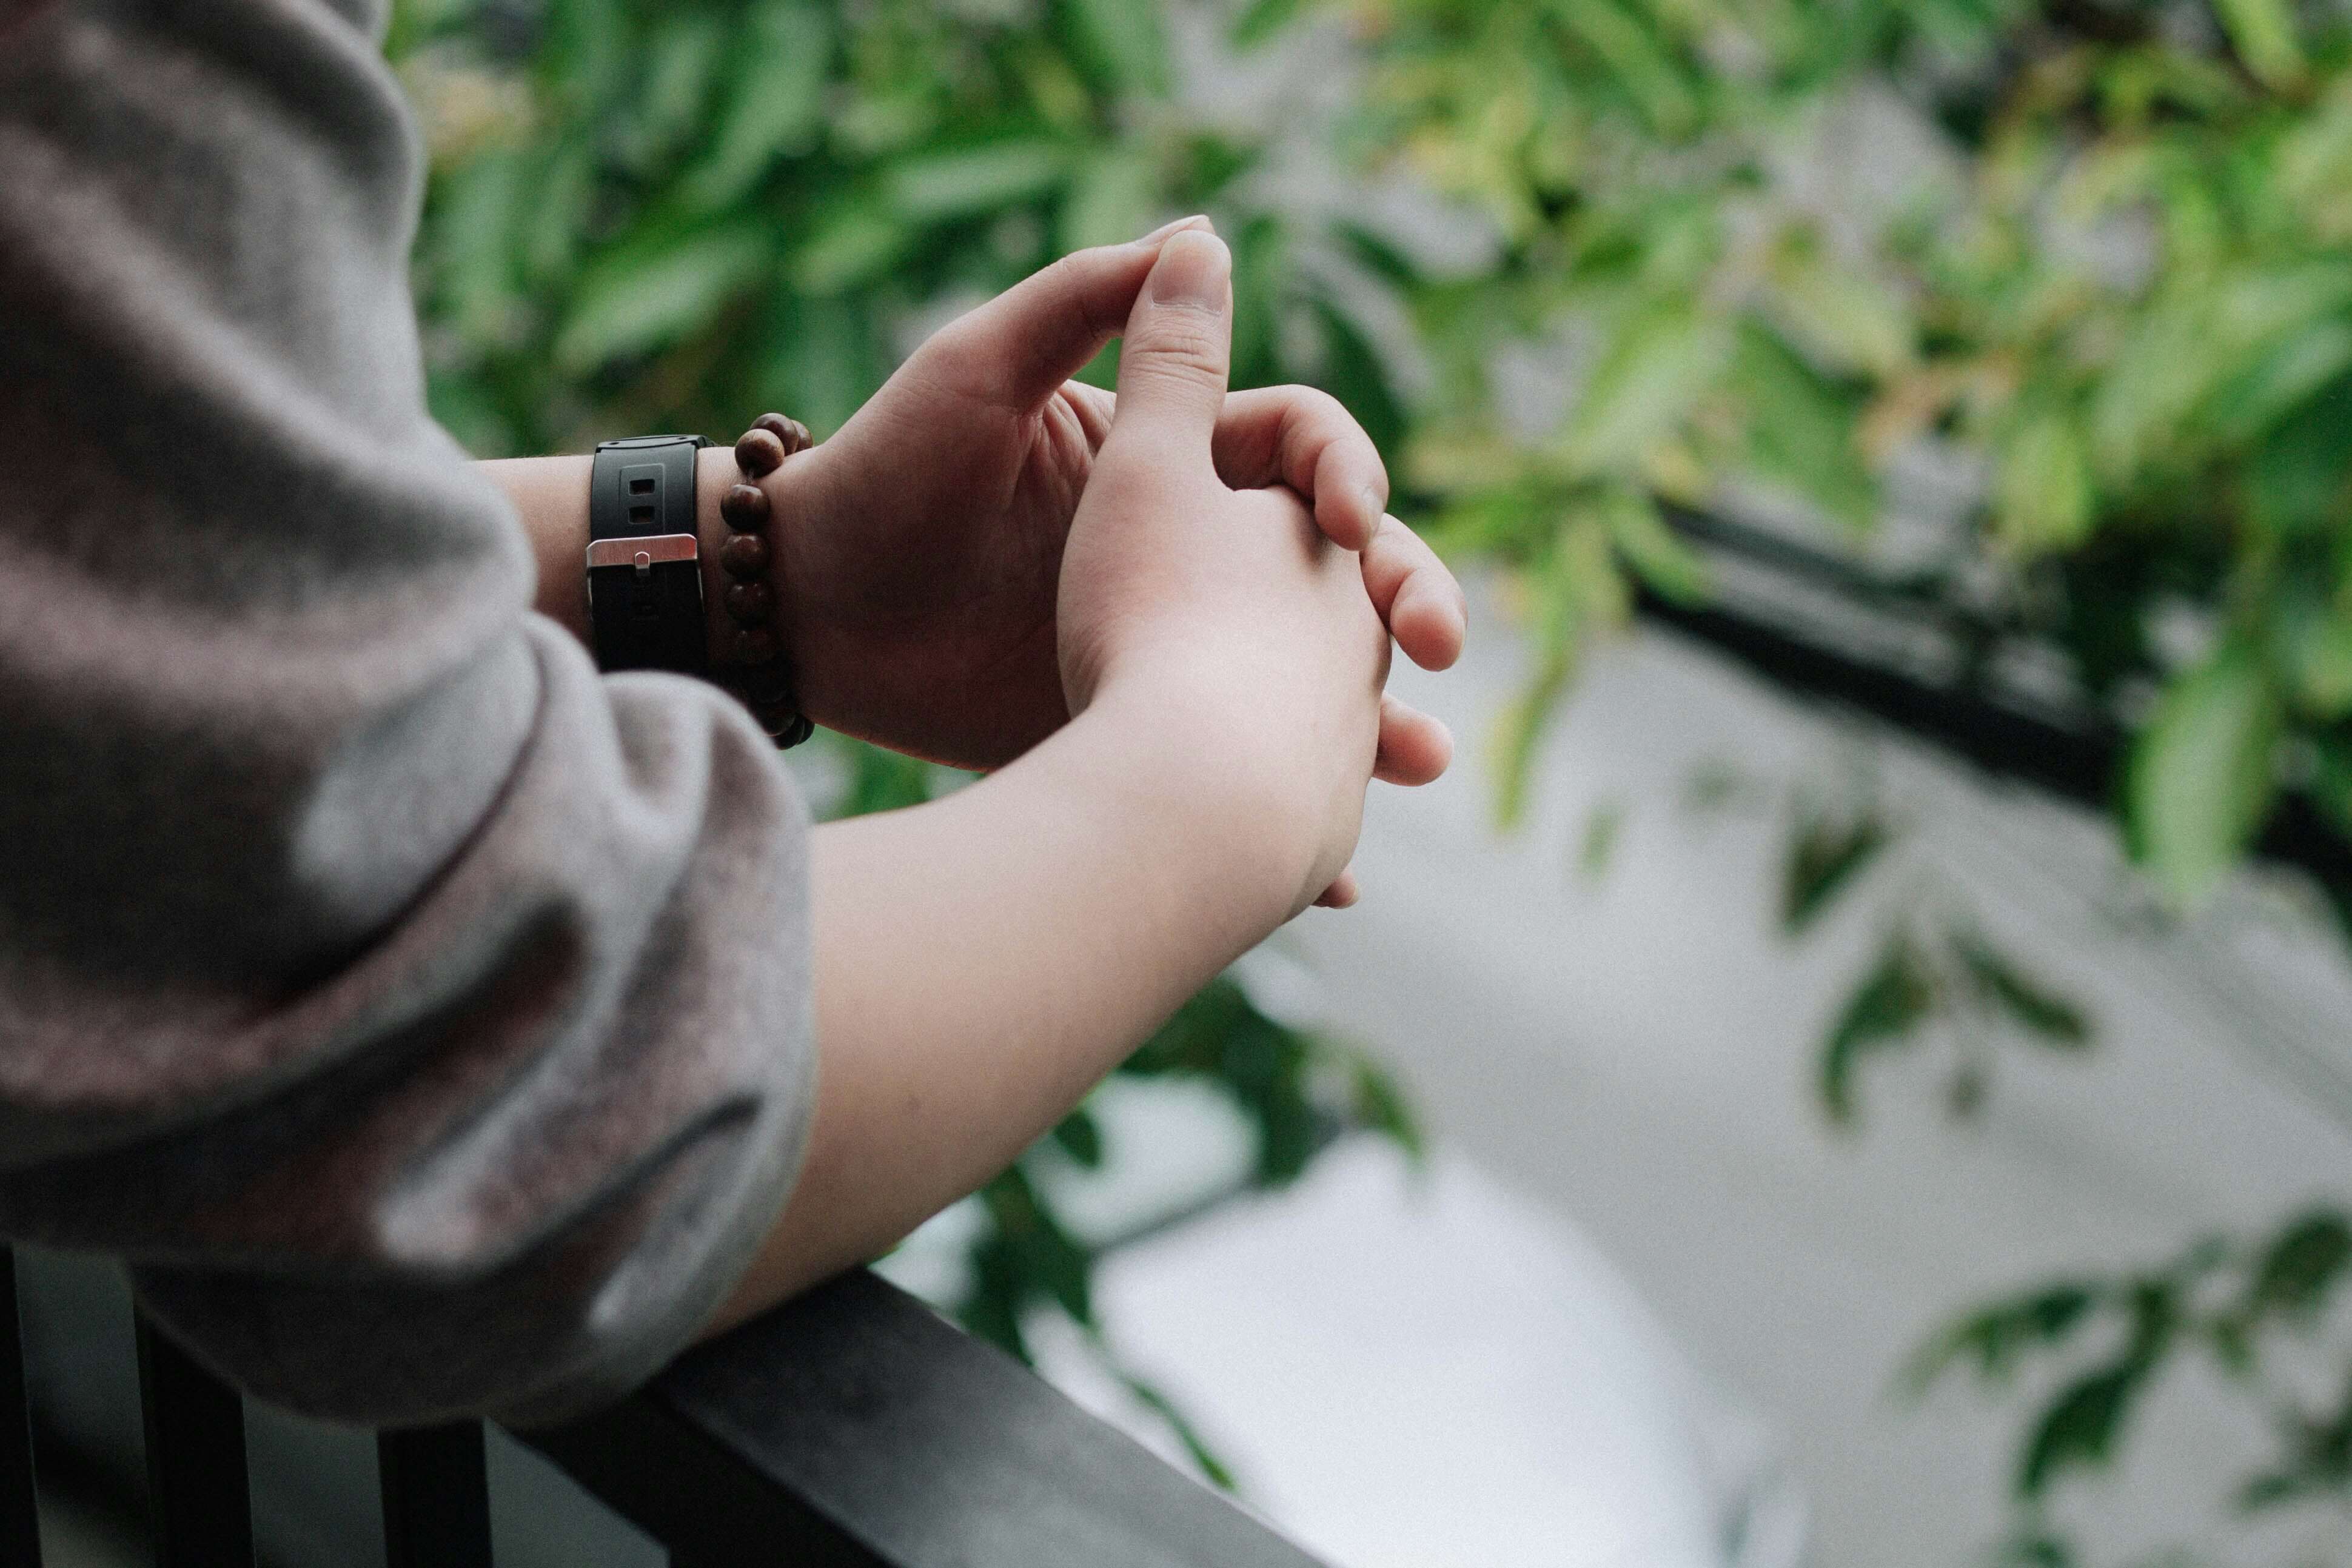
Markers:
<point>20,1525</point>
<point>1815,625</point>
<point>851,1427</point>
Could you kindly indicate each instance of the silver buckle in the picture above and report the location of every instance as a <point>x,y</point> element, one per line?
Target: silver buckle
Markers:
<point>644,553</point>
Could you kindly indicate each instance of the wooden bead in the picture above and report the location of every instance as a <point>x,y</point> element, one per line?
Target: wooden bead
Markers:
<point>759,453</point>
<point>783,725</point>
<point>745,509</point>
<point>790,432</point>
<point>755,645</point>
<point>750,604</point>
<point>745,557</point>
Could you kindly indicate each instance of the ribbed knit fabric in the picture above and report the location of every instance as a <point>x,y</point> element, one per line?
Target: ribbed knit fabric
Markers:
<point>424,1018</point>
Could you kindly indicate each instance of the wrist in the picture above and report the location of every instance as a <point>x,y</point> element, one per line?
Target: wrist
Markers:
<point>550,495</point>
<point>791,575</point>
<point>1222,774</point>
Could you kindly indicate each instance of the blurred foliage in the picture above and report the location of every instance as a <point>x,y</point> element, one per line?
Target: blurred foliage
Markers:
<point>1937,983</point>
<point>2099,249</point>
<point>649,216</point>
<point>2109,1338</point>
<point>1717,255</point>
<point>2095,250</point>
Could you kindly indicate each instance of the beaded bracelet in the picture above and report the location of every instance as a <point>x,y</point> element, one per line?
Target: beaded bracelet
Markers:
<point>754,665</point>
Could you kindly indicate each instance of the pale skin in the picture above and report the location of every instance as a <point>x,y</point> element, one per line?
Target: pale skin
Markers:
<point>1126,609</point>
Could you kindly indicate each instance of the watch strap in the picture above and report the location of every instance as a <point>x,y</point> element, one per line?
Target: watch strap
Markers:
<point>645,570</point>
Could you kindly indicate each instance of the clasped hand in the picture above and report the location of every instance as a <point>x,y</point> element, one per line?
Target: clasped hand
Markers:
<point>986,540</point>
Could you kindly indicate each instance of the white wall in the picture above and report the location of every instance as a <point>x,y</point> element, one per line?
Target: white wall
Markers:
<point>1639,1054</point>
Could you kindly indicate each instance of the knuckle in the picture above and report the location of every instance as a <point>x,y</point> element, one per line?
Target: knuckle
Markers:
<point>1317,410</point>
<point>1188,358</point>
<point>1187,317</point>
<point>1066,282</point>
<point>1187,338</point>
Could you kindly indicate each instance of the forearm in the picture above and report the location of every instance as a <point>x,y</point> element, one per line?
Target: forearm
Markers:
<point>983,960</point>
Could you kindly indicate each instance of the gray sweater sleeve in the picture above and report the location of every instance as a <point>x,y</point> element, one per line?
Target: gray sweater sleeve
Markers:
<point>424,1018</point>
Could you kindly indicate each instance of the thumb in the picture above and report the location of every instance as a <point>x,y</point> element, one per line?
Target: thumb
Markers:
<point>1178,347</point>
<point>1020,346</point>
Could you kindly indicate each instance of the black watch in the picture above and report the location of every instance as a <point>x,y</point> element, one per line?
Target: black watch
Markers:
<point>644,557</point>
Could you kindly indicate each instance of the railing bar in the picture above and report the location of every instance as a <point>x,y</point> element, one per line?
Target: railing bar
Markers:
<point>20,1515</point>
<point>701,1499</point>
<point>436,1496</point>
<point>852,1426</point>
<point>197,1479</point>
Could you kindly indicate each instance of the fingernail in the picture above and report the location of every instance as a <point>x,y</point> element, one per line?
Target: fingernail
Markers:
<point>1192,270</point>
<point>1198,220</point>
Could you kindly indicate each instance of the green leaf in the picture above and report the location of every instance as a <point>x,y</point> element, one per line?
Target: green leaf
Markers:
<point>2278,1488</point>
<point>1824,855</point>
<point>1800,427</point>
<point>2300,1267</point>
<point>2315,646</point>
<point>851,243</point>
<point>1353,372</point>
<point>1604,827</point>
<point>1997,1339</point>
<point>2228,1337</point>
<point>1641,64</point>
<point>1212,1468</point>
<point>1720,787</point>
<point>774,105</point>
<point>2078,1430</point>
<point>2197,349</point>
<point>1576,590</point>
<point>1002,1288</point>
<point>947,186</point>
<point>1892,1000</point>
<point>474,230</point>
<point>464,407</point>
<point>823,360</point>
<point>682,59</point>
<point>2297,478</point>
<point>2288,377</point>
<point>2154,386</point>
<point>2047,1017</point>
<point>585,50</point>
<point>555,219</point>
<point>1381,1107</point>
<point>883,779</point>
<point>1113,199</point>
<point>1850,322</point>
<point>2037,1550</point>
<point>2263,33</point>
<point>1642,389</point>
<point>1290,1132</point>
<point>2201,774</point>
<point>1658,555</point>
<point>1261,273</point>
<point>1520,729</point>
<point>1119,42</point>
<point>1043,1250</point>
<point>2046,502</point>
<point>645,295</point>
<point>1262,19</point>
<point>1080,1137</point>
<point>1379,255</point>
